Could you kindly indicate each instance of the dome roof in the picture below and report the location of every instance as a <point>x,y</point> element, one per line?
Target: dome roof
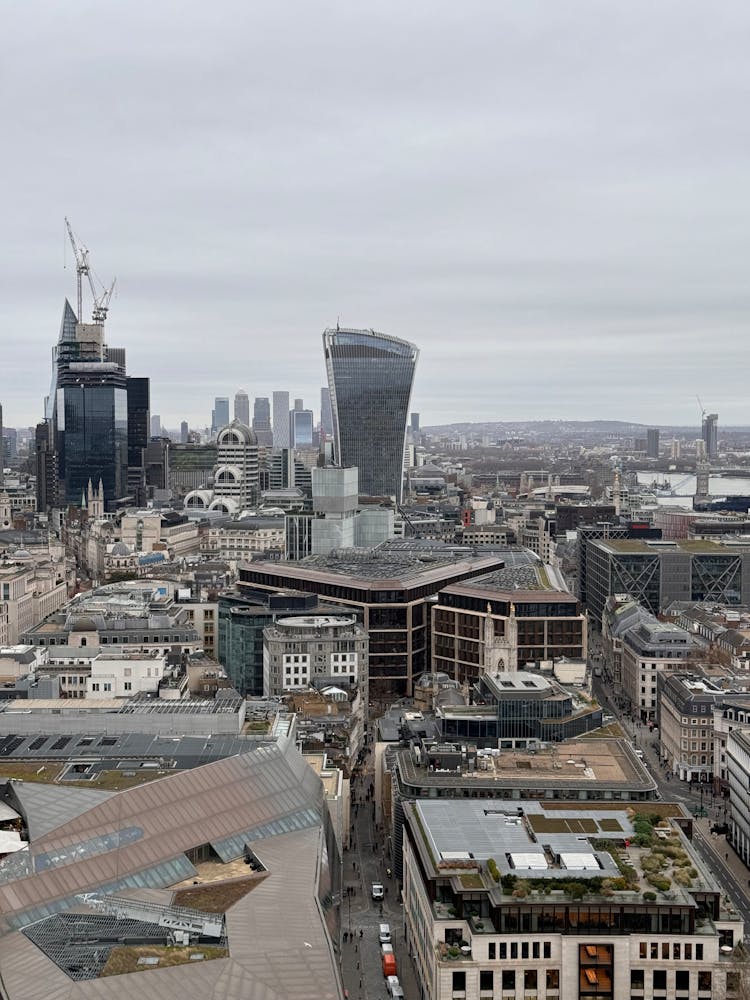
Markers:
<point>120,549</point>
<point>22,554</point>
<point>236,433</point>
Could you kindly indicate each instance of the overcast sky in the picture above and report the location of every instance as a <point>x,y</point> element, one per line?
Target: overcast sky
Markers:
<point>550,199</point>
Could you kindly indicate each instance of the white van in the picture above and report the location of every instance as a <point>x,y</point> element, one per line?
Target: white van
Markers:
<point>384,935</point>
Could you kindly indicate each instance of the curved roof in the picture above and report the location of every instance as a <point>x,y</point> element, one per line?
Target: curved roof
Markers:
<point>199,499</point>
<point>236,433</point>
<point>120,549</point>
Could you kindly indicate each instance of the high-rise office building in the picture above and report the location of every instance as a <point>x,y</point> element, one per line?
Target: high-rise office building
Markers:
<point>262,421</point>
<point>184,431</point>
<point>301,428</point>
<point>88,411</point>
<point>242,407</point>
<point>220,413</point>
<point>370,376</point>
<point>281,420</point>
<point>155,425</point>
<point>139,400</point>
<point>652,442</point>
<point>326,413</point>
<point>299,404</point>
<point>710,434</point>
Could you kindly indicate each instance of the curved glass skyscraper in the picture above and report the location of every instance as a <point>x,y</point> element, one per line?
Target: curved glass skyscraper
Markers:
<point>370,377</point>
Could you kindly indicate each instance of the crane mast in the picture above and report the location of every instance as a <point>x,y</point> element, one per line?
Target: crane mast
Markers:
<point>101,301</point>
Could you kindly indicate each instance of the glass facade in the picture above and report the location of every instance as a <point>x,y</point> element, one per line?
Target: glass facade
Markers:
<point>370,377</point>
<point>92,433</point>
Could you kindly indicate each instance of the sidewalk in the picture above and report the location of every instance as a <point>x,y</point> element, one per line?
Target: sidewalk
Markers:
<point>721,848</point>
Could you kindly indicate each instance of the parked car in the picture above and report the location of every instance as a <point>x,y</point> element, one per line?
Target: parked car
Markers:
<point>378,892</point>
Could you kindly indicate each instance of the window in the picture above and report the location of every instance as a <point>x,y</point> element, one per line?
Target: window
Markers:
<point>547,949</point>
<point>704,981</point>
<point>503,950</point>
<point>654,950</point>
<point>509,979</point>
<point>95,687</point>
<point>643,950</point>
<point>699,953</point>
<point>524,949</point>
<point>688,951</point>
<point>486,980</point>
<point>665,949</point>
<point>459,982</point>
<point>128,685</point>
<point>553,979</point>
<point>529,979</point>
<point>513,949</point>
<point>535,949</point>
<point>491,949</point>
<point>682,980</point>
<point>660,979</point>
<point>637,979</point>
<point>107,686</point>
<point>675,950</point>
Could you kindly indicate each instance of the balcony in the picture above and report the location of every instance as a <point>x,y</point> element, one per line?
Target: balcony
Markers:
<point>454,952</point>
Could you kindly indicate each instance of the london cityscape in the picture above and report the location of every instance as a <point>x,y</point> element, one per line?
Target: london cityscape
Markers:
<point>375,503</point>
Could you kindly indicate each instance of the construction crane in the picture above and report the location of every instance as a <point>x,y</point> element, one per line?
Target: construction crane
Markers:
<point>703,412</point>
<point>101,301</point>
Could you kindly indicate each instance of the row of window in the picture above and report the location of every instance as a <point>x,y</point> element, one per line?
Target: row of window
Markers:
<point>682,978</point>
<point>651,949</point>
<point>531,979</point>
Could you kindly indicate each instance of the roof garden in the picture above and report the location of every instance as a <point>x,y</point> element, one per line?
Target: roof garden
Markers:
<point>533,853</point>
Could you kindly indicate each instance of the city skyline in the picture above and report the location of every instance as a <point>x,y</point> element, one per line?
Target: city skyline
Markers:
<point>548,201</point>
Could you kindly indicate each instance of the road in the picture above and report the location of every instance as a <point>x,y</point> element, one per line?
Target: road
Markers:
<point>364,863</point>
<point>727,868</point>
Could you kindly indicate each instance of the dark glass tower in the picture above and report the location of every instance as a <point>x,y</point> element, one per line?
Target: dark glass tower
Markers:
<point>370,377</point>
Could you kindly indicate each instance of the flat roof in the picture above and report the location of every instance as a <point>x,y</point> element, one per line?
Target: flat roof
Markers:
<point>608,762</point>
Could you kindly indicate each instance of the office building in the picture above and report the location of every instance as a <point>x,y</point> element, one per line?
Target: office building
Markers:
<point>655,573</point>
<point>139,404</point>
<point>319,651</point>
<point>528,901</point>
<point>220,413</point>
<point>301,427</point>
<point>242,407</point>
<point>651,649</point>
<point>155,425</point>
<point>281,437</point>
<point>184,432</point>
<point>652,442</point>
<point>190,467</point>
<point>88,410</point>
<point>262,421</point>
<point>392,590</point>
<point>236,477</point>
<point>326,413</point>
<point>119,856</point>
<point>515,616</point>
<point>370,377</point>
<point>710,435</point>
<point>241,620</point>
<point>414,424</point>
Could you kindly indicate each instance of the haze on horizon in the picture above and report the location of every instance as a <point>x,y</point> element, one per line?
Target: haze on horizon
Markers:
<point>550,200</point>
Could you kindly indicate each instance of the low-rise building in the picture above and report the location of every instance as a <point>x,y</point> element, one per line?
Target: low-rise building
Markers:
<point>524,901</point>
<point>687,704</point>
<point>313,650</point>
<point>651,648</point>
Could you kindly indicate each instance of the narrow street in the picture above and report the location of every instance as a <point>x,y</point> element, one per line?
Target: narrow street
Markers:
<point>364,863</point>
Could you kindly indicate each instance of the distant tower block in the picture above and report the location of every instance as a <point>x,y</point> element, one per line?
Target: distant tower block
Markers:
<point>702,474</point>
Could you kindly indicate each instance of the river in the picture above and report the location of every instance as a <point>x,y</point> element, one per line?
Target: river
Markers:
<point>717,486</point>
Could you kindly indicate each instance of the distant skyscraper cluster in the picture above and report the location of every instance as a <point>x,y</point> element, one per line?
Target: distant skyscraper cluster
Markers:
<point>98,427</point>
